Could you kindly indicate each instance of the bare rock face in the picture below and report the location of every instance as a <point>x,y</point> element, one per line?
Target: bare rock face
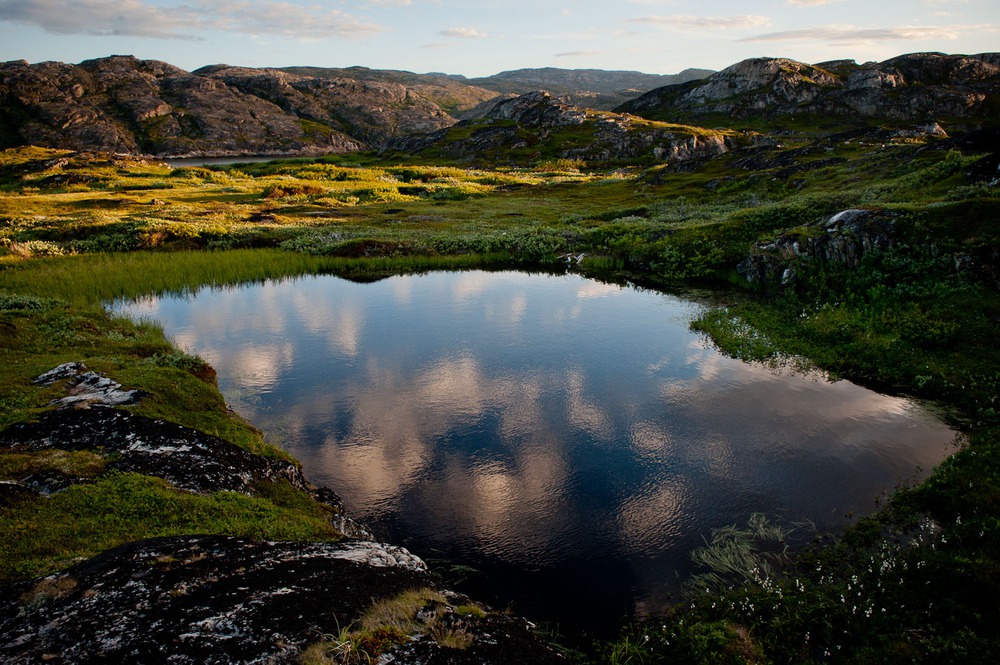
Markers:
<point>215,599</point>
<point>196,599</point>
<point>537,109</point>
<point>920,87</point>
<point>125,105</point>
<point>768,81</point>
<point>188,459</point>
<point>371,111</point>
<point>844,238</point>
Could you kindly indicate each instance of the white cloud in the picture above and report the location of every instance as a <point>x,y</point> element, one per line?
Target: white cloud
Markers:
<point>810,3</point>
<point>578,54</point>
<point>687,21</point>
<point>137,18</point>
<point>464,33</point>
<point>852,34</point>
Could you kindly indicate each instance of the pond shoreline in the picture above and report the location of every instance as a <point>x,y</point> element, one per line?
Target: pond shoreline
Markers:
<point>213,389</point>
<point>233,612</point>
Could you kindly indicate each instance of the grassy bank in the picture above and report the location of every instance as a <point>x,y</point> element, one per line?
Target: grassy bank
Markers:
<point>911,583</point>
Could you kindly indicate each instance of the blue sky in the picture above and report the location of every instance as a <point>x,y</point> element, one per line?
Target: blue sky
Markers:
<point>481,38</point>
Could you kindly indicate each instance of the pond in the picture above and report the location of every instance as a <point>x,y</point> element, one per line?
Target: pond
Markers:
<point>546,441</point>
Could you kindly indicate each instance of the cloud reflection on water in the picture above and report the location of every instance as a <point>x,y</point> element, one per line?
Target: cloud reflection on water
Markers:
<point>537,419</point>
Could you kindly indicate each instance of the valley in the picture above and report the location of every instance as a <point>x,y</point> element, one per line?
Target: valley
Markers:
<point>842,219</point>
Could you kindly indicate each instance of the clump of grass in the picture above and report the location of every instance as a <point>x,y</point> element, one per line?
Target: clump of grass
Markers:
<point>392,621</point>
<point>736,555</point>
<point>78,463</point>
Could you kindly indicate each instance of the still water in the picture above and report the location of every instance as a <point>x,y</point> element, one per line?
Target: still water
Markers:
<point>571,441</point>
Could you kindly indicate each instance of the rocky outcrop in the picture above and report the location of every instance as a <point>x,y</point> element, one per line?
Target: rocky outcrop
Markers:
<point>843,238</point>
<point>919,87</point>
<point>188,459</point>
<point>215,599</point>
<point>84,387</point>
<point>537,126</point>
<point>538,109</point>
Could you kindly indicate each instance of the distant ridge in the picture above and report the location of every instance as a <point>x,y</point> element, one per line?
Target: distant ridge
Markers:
<point>591,88</point>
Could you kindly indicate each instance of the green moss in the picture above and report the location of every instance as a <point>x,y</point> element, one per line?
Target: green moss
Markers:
<point>79,464</point>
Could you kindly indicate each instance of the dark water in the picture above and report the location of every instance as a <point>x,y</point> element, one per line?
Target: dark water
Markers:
<point>571,441</point>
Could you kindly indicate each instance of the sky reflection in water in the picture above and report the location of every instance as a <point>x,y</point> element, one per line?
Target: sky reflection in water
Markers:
<point>572,439</point>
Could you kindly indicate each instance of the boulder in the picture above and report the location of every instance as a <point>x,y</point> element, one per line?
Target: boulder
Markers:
<point>843,239</point>
<point>216,599</point>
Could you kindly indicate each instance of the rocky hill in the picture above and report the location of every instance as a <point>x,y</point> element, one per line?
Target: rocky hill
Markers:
<point>454,94</point>
<point>536,127</point>
<point>122,104</point>
<point>370,111</point>
<point>126,105</point>
<point>915,88</point>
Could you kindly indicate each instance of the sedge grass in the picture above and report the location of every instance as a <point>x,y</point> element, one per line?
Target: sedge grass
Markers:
<point>92,279</point>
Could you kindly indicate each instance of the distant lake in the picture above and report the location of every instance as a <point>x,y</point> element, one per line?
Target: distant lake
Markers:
<point>569,440</point>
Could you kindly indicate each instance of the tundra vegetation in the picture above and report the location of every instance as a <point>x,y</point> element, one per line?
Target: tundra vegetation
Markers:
<point>917,581</point>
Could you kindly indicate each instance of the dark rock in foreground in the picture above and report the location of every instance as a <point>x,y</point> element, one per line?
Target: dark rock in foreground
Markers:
<point>215,599</point>
<point>842,239</point>
<point>188,459</point>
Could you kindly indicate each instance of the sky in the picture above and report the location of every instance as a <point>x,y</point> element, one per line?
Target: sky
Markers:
<point>481,38</point>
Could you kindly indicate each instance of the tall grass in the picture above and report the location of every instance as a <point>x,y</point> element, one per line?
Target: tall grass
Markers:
<point>88,280</point>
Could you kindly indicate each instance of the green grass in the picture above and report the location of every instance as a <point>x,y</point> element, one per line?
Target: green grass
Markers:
<point>47,534</point>
<point>903,321</point>
<point>392,621</point>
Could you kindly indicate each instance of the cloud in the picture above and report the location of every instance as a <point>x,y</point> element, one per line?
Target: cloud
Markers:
<point>810,3</point>
<point>464,33</point>
<point>851,34</point>
<point>687,21</point>
<point>136,18</point>
<point>578,54</point>
<point>123,17</point>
